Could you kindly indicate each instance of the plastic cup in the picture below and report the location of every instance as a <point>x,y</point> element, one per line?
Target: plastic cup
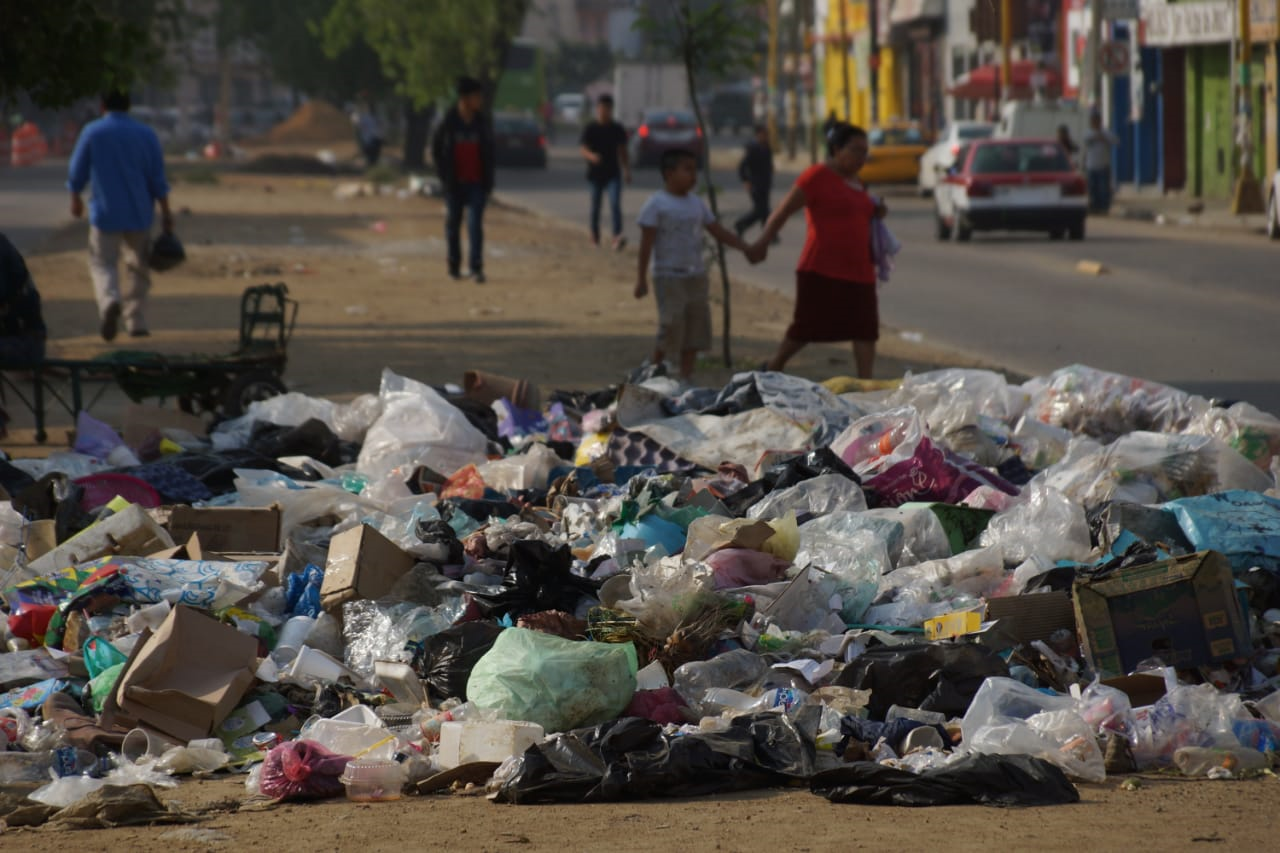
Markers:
<point>311,664</point>
<point>138,744</point>
<point>293,636</point>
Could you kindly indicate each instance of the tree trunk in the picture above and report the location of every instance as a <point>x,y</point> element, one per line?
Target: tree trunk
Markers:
<point>712,202</point>
<point>417,128</point>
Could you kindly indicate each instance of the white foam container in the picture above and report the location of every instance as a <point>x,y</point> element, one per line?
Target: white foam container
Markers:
<point>462,742</point>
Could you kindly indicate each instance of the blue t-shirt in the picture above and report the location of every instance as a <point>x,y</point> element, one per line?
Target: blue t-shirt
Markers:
<point>121,160</point>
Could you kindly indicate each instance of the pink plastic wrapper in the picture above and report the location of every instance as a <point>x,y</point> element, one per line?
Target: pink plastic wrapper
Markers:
<point>302,770</point>
<point>734,567</point>
<point>932,474</point>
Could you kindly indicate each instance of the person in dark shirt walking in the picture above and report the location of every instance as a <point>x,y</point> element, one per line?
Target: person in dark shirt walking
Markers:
<point>604,147</point>
<point>756,173</point>
<point>462,150</point>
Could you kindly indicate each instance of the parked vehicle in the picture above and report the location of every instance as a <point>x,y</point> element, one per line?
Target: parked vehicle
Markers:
<point>1041,120</point>
<point>1273,207</point>
<point>570,107</point>
<point>663,130</point>
<point>639,87</point>
<point>1011,185</point>
<point>518,140</point>
<point>941,156</point>
<point>732,109</point>
<point>895,154</point>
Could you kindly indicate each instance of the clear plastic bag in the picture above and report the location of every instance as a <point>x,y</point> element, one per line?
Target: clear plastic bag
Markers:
<point>1042,523</point>
<point>1038,444</point>
<point>664,592</point>
<point>1105,405</point>
<point>377,631</point>
<point>819,496</point>
<point>952,398</point>
<point>418,427</point>
<point>855,563</point>
<point>1251,431</point>
<point>873,444</point>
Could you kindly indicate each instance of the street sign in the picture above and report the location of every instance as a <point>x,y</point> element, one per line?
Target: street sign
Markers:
<point>1113,58</point>
<point>1120,10</point>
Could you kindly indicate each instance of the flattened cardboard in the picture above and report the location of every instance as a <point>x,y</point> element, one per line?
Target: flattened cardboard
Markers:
<point>1027,618</point>
<point>1184,611</point>
<point>229,530</point>
<point>131,532</point>
<point>362,564</point>
<point>185,679</point>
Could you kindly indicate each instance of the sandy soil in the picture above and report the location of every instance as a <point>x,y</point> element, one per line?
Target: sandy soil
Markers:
<point>1162,814</point>
<point>370,275</point>
<point>560,314</point>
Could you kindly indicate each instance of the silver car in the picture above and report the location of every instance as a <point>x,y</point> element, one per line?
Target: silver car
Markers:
<point>940,157</point>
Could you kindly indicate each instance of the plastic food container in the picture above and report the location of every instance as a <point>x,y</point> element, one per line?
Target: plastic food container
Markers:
<point>373,780</point>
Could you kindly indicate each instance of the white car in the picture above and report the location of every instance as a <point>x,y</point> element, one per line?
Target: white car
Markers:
<point>1273,207</point>
<point>570,107</point>
<point>939,158</point>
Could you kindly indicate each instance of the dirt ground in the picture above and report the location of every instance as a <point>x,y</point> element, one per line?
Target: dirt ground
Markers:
<point>370,275</point>
<point>1162,814</point>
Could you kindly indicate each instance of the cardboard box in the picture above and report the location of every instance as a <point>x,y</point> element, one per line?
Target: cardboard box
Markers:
<point>362,564</point>
<point>229,530</point>
<point>1027,618</point>
<point>185,679</point>
<point>1184,611</point>
<point>951,625</point>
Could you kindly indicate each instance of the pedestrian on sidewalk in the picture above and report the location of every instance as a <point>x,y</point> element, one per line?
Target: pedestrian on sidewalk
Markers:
<point>671,225</point>
<point>368,132</point>
<point>1069,145</point>
<point>121,160</point>
<point>756,172</point>
<point>463,153</point>
<point>604,147</point>
<point>1098,143</point>
<point>836,275</point>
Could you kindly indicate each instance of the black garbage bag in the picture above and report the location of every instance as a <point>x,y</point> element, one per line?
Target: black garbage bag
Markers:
<point>444,661</point>
<point>310,438</point>
<point>940,677</point>
<point>537,578</point>
<point>992,780</point>
<point>789,472</point>
<point>870,731</point>
<point>54,496</point>
<point>13,479</point>
<point>448,548</point>
<point>478,509</point>
<point>633,758</point>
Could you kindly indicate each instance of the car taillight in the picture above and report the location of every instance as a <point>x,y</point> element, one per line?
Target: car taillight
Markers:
<point>979,189</point>
<point>698,131</point>
<point>1074,186</point>
<point>542,142</point>
<point>643,132</point>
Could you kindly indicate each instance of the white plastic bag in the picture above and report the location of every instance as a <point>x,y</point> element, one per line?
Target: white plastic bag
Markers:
<point>818,496</point>
<point>955,397</point>
<point>1041,523</point>
<point>418,427</point>
<point>855,563</point>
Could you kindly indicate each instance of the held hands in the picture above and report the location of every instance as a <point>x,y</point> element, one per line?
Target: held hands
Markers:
<point>757,251</point>
<point>642,287</point>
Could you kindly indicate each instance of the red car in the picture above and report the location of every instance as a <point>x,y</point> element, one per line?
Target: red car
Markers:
<point>1011,185</point>
<point>665,130</point>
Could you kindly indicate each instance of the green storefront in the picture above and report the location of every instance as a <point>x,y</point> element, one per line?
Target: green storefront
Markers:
<point>1212,154</point>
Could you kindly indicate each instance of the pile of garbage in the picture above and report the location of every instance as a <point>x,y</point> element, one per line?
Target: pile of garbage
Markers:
<point>958,590</point>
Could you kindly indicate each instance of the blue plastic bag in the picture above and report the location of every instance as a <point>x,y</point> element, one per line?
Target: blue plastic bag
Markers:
<point>1242,525</point>
<point>302,592</point>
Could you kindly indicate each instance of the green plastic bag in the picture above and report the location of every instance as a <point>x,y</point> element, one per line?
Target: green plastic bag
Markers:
<point>559,684</point>
<point>101,685</point>
<point>99,656</point>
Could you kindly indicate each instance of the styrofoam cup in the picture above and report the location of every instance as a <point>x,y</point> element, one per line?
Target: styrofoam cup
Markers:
<point>315,665</point>
<point>293,636</point>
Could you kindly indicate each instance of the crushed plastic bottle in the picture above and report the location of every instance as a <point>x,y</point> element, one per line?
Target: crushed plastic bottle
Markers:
<point>735,669</point>
<point>1219,763</point>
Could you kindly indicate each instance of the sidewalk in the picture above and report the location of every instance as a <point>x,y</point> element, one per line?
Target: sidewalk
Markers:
<point>1177,209</point>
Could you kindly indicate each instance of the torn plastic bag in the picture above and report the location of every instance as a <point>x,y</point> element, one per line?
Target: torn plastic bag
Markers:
<point>818,496</point>
<point>537,578</point>
<point>302,770</point>
<point>1244,526</point>
<point>558,684</point>
<point>1114,524</point>
<point>845,526</point>
<point>1105,405</point>
<point>444,661</point>
<point>1253,432</point>
<point>632,759</point>
<point>735,567</point>
<point>932,677</point>
<point>1043,523</point>
<point>1060,737</point>
<point>991,780</point>
<point>665,592</point>
<point>855,564</point>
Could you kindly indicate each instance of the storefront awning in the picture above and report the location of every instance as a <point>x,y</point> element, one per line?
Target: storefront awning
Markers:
<point>983,82</point>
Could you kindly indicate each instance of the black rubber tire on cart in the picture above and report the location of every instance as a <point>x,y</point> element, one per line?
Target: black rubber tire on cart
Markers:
<point>249,388</point>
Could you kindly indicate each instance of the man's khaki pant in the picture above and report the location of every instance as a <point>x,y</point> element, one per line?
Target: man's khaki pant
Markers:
<point>105,248</point>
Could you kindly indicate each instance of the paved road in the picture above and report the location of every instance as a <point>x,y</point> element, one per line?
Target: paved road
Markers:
<point>1197,309</point>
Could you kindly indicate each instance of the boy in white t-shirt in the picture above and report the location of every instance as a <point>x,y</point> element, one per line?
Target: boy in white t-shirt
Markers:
<point>671,226</point>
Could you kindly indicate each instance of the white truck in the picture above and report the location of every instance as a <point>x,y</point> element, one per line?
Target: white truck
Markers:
<point>1040,119</point>
<point>642,86</point>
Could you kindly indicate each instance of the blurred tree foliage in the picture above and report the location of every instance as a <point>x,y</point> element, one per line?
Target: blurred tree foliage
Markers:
<point>573,66</point>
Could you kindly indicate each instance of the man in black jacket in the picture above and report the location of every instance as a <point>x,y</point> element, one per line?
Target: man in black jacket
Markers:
<point>463,153</point>
<point>756,173</point>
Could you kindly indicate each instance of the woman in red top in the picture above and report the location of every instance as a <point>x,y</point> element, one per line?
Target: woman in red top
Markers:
<point>835,277</point>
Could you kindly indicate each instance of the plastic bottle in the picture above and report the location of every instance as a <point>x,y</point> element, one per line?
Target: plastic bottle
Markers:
<point>1224,763</point>
<point>736,669</point>
<point>18,767</point>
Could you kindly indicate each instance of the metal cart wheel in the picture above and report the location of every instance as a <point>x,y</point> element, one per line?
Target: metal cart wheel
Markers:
<point>249,388</point>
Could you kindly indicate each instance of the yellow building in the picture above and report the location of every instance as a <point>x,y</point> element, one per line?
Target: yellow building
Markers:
<point>847,64</point>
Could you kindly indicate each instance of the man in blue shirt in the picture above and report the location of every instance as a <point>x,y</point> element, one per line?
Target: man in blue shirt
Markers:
<point>121,160</point>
